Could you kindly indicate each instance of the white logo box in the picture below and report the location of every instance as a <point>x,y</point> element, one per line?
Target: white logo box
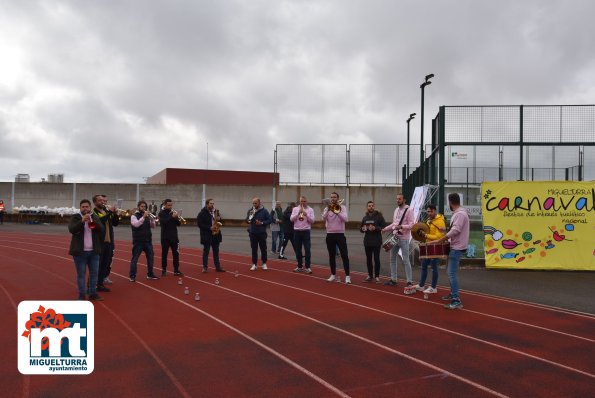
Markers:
<point>73,321</point>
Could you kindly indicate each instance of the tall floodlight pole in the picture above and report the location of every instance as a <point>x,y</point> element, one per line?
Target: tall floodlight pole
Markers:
<point>426,82</point>
<point>411,117</point>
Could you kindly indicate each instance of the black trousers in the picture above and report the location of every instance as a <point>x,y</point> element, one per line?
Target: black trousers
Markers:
<point>166,244</point>
<point>373,251</point>
<point>205,254</point>
<point>286,239</point>
<point>105,262</point>
<point>332,241</point>
<point>258,240</point>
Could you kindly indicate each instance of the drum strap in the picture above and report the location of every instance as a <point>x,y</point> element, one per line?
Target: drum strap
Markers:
<point>403,216</point>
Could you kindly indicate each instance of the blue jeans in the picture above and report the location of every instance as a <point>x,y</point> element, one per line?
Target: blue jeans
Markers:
<point>451,269</point>
<point>277,235</point>
<point>137,249</point>
<point>81,262</point>
<point>302,238</point>
<point>424,271</point>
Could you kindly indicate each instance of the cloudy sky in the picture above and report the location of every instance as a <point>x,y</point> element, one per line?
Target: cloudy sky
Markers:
<point>116,90</point>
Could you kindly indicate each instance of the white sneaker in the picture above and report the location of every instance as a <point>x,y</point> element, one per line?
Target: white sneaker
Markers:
<point>253,268</point>
<point>430,289</point>
<point>419,288</point>
<point>348,280</point>
<point>331,278</point>
<point>107,281</point>
<point>377,280</point>
<point>308,270</point>
<point>264,267</point>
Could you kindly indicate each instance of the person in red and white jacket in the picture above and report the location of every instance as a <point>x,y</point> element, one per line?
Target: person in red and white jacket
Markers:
<point>403,220</point>
<point>335,235</point>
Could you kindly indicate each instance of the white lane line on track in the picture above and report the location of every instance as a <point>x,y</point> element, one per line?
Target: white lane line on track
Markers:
<point>326,384</point>
<point>468,292</point>
<point>26,378</point>
<point>285,359</point>
<point>323,267</point>
<point>152,353</point>
<point>400,296</point>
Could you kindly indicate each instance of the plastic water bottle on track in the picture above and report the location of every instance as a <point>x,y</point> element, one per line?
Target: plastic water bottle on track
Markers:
<point>186,290</point>
<point>217,281</point>
<point>197,297</point>
<point>180,281</point>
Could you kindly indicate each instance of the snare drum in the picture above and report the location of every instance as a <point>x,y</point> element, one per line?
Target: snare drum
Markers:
<point>434,251</point>
<point>390,242</point>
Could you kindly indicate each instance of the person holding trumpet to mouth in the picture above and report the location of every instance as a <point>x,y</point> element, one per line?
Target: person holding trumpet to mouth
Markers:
<point>141,223</point>
<point>302,217</point>
<point>169,219</point>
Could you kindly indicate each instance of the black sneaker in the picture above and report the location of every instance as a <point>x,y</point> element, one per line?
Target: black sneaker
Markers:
<point>178,273</point>
<point>101,288</point>
<point>282,257</point>
<point>132,279</point>
<point>152,277</point>
<point>164,272</point>
<point>220,269</point>
<point>447,298</point>
<point>455,305</point>
<point>95,297</point>
<point>390,282</point>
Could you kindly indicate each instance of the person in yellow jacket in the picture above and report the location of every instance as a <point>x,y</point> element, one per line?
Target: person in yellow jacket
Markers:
<point>437,230</point>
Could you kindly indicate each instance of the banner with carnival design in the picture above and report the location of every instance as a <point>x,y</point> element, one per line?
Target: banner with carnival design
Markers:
<point>539,224</point>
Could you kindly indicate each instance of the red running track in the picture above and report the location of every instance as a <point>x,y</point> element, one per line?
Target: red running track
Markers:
<point>282,334</point>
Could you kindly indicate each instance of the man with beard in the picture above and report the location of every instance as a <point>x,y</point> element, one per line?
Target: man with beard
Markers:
<point>371,227</point>
<point>458,235</point>
<point>210,234</point>
<point>109,218</point>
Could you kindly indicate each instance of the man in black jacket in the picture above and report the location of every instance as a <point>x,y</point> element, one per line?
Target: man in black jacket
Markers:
<point>169,220</point>
<point>109,218</point>
<point>287,231</point>
<point>141,223</point>
<point>258,218</point>
<point>210,234</point>
<point>371,226</point>
<point>85,247</point>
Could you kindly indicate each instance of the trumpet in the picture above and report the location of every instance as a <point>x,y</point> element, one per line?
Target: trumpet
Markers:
<point>302,214</point>
<point>178,214</point>
<point>251,215</point>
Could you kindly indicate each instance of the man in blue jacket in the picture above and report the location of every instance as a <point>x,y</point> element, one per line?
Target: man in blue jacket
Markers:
<point>258,218</point>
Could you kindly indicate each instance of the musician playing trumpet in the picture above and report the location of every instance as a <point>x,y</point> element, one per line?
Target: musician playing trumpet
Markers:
<point>335,217</point>
<point>210,234</point>
<point>258,218</point>
<point>437,228</point>
<point>169,219</point>
<point>403,220</point>
<point>302,217</point>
